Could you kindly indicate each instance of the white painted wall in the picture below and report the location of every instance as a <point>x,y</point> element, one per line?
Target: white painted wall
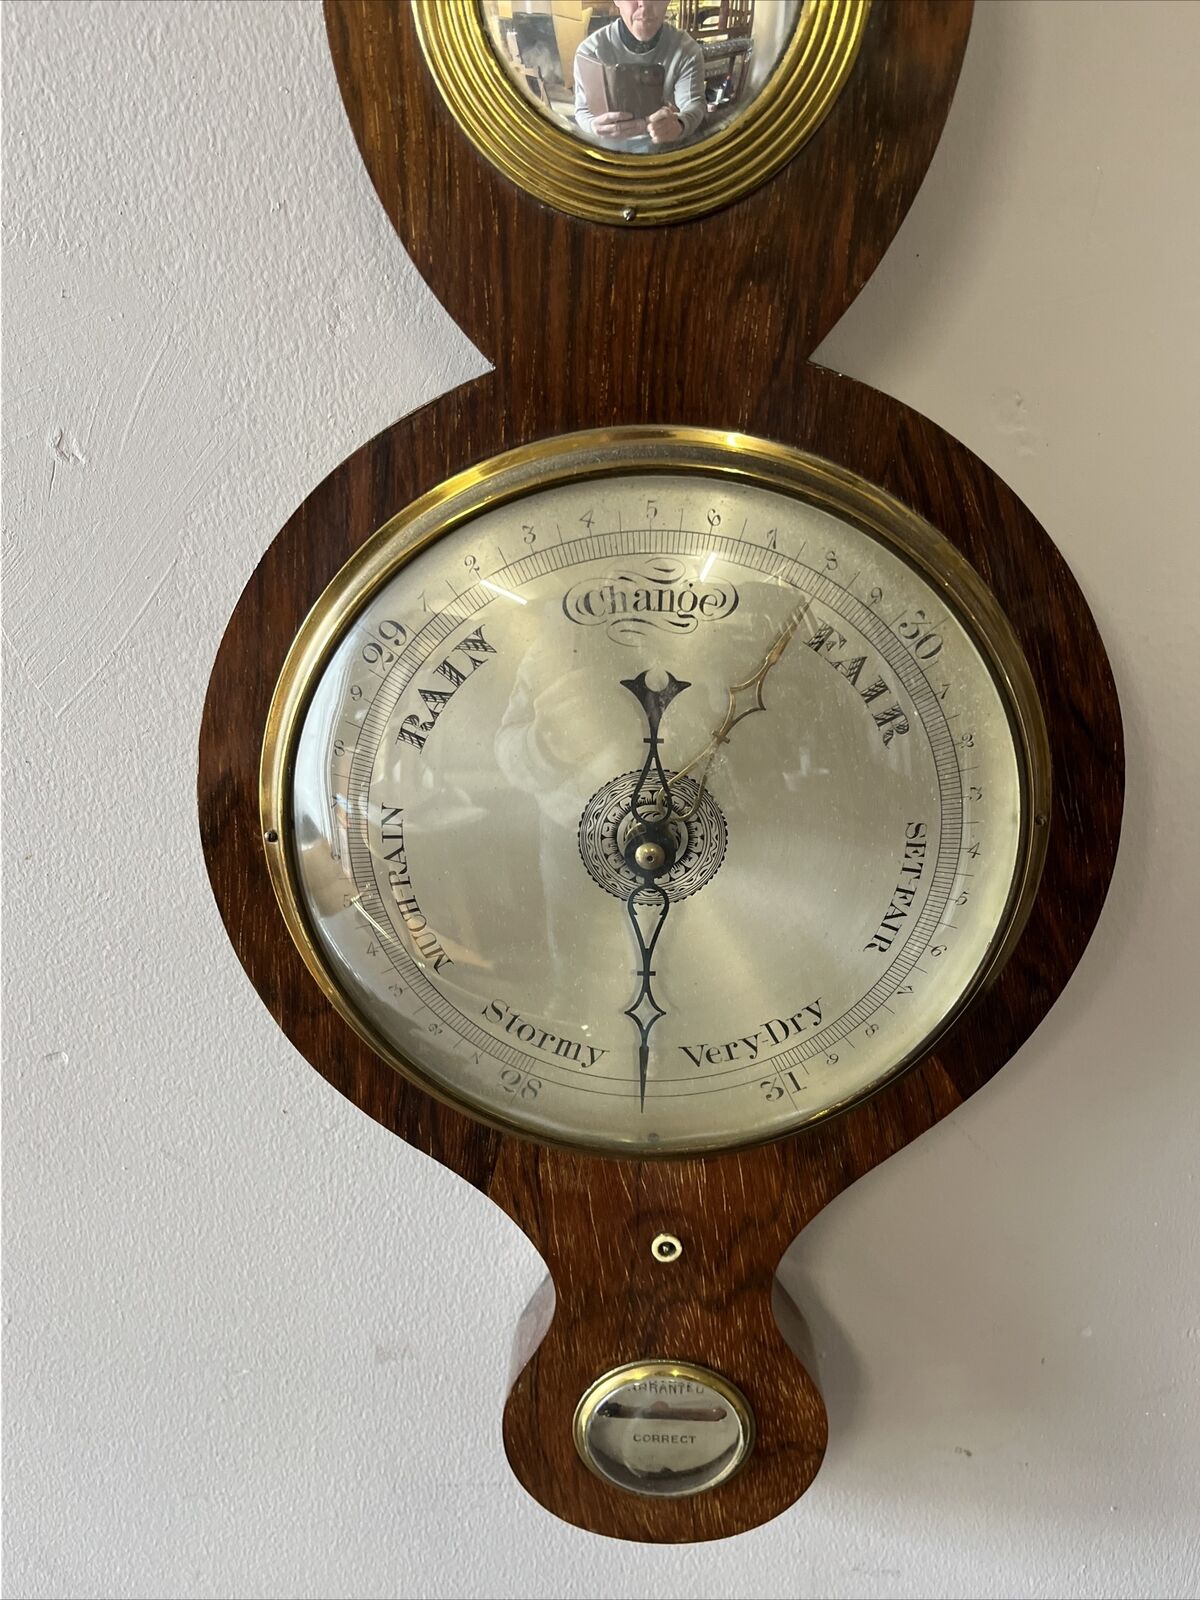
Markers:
<point>254,1345</point>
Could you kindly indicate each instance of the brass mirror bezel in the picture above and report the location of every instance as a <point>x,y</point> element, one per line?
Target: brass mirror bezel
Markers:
<point>639,190</point>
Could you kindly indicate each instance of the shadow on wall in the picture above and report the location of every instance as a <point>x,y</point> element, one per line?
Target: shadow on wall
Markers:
<point>948,205</point>
<point>1010,1370</point>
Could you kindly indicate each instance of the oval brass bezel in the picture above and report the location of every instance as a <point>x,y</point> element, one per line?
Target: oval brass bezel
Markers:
<point>622,188</point>
<point>601,453</point>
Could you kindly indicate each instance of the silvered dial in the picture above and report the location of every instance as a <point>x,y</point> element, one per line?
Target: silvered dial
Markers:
<point>653,810</point>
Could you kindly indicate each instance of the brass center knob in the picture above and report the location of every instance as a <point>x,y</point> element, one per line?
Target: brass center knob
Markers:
<point>650,857</point>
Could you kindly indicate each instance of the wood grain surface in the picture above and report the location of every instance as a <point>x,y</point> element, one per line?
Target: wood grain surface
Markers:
<point>592,1218</point>
<point>714,302</point>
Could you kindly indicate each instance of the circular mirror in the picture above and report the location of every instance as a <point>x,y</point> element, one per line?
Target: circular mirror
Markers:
<point>642,77</point>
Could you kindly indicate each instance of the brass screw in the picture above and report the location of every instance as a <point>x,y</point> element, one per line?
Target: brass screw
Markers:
<point>666,1247</point>
<point>649,857</point>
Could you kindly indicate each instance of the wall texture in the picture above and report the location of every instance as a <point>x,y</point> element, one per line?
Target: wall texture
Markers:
<point>255,1346</point>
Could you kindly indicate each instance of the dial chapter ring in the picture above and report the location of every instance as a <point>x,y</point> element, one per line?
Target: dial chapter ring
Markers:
<point>619,453</point>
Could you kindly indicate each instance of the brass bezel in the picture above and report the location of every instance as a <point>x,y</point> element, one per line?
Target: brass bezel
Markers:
<point>608,453</point>
<point>623,188</point>
<point>638,1372</point>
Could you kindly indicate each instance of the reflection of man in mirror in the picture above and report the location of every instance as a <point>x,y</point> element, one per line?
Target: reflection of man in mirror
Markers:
<point>639,58</point>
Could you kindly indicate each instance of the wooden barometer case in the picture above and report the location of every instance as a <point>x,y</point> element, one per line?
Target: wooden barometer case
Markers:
<point>662,777</point>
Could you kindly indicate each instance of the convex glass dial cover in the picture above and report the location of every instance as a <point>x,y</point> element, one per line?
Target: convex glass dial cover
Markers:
<point>656,791</point>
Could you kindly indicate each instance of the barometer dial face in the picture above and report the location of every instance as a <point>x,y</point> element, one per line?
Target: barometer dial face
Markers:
<point>655,811</point>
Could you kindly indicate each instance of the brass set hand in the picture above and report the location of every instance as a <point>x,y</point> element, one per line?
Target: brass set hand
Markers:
<point>737,709</point>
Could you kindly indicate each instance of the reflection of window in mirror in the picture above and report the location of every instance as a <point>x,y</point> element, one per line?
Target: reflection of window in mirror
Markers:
<point>640,76</point>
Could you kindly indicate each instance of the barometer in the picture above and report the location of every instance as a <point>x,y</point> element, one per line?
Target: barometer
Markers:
<point>662,778</point>
<point>559,757</point>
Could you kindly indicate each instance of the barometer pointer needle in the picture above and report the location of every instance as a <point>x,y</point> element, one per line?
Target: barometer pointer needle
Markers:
<point>644,1019</point>
<point>650,853</point>
<point>654,703</point>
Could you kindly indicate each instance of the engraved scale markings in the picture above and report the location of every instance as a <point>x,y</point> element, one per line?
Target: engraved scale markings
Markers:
<point>821,589</point>
<point>377,773</point>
